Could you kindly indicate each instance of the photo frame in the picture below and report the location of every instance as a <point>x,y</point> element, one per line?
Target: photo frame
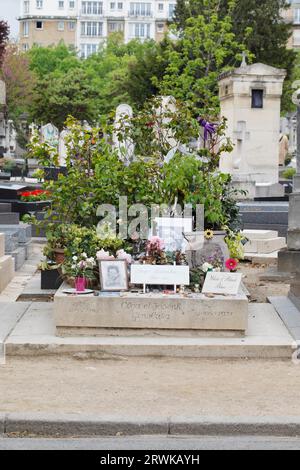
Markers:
<point>113,275</point>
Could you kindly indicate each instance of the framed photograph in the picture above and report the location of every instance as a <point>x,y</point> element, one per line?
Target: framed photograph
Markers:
<point>113,275</point>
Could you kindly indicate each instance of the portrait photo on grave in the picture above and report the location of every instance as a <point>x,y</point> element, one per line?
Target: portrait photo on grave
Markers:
<point>113,275</point>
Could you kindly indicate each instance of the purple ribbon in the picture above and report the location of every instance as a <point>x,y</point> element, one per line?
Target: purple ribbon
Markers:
<point>208,128</point>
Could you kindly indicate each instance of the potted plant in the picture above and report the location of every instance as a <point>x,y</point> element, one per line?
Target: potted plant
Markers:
<point>81,269</point>
<point>50,275</point>
<point>33,201</point>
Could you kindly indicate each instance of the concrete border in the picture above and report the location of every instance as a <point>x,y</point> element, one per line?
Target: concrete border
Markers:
<point>77,425</point>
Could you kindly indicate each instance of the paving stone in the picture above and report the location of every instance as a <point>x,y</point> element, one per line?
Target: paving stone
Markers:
<point>10,314</point>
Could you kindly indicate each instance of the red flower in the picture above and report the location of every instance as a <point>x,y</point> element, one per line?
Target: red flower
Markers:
<point>231,264</point>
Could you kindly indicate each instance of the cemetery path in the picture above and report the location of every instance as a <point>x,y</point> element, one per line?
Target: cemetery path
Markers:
<point>150,387</point>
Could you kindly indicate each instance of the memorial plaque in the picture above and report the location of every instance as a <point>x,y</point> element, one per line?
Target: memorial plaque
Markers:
<point>222,283</point>
<point>155,275</point>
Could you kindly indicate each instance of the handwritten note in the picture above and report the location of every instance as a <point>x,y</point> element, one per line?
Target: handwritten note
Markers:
<point>222,283</point>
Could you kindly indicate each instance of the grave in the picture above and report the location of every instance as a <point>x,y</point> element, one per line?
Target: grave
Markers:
<point>263,241</point>
<point>17,242</point>
<point>98,315</point>
<point>6,265</point>
<point>250,100</point>
<point>288,259</point>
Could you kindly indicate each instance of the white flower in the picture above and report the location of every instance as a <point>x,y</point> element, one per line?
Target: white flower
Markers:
<point>75,258</point>
<point>206,266</point>
<point>84,255</point>
<point>74,266</point>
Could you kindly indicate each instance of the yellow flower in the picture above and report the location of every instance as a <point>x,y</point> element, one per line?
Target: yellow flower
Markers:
<point>208,234</point>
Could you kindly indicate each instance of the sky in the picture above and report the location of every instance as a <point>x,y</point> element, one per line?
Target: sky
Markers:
<point>9,10</point>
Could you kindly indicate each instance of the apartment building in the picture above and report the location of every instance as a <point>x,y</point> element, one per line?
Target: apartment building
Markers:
<point>85,24</point>
<point>293,16</point>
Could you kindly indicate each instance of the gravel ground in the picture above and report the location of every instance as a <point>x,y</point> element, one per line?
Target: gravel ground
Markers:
<point>260,290</point>
<point>152,387</point>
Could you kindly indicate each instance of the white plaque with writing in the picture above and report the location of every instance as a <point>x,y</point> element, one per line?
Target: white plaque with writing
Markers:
<point>166,274</point>
<point>222,283</point>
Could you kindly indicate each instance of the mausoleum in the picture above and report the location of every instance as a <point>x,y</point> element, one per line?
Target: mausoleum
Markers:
<point>250,98</point>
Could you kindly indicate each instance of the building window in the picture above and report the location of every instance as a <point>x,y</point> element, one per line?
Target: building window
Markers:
<point>120,6</point>
<point>115,26</point>
<point>39,4</point>
<point>160,7</point>
<point>25,29</point>
<point>112,6</point>
<point>92,8</point>
<point>71,25</point>
<point>87,50</point>
<point>72,4</point>
<point>25,47</point>
<point>140,9</point>
<point>160,27</point>
<point>39,25</point>
<point>257,99</point>
<point>61,26</point>
<point>297,15</point>
<point>26,7</point>
<point>61,4</point>
<point>172,7</point>
<point>91,28</point>
<point>139,30</point>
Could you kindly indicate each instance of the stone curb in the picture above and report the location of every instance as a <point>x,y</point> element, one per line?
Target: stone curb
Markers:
<point>78,425</point>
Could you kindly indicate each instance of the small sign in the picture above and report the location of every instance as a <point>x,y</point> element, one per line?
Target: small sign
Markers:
<point>161,275</point>
<point>222,283</point>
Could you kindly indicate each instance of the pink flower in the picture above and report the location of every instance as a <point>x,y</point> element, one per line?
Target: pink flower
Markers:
<point>156,243</point>
<point>121,254</point>
<point>104,255</point>
<point>231,264</point>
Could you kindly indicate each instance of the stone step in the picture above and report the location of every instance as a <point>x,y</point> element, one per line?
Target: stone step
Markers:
<point>266,338</point>
<point>260,234</point>
<point>7,271</point>
<point>265,246</point>
<point>9,218</point>
<point>5,207</point>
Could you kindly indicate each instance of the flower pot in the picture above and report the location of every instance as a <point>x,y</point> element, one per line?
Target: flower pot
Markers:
<point>51,279</point>
<point>59,255</point>
<point>80,284</point>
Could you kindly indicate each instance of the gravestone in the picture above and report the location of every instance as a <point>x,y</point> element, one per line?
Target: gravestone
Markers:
<point>288,260</point>
<point>62,149</point>
<point>250,98</point>
<point>123,144</point>
<point>50,134</point>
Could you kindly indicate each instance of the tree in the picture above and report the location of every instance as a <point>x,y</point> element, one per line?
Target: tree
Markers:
<point>19,81</point>
<point>4,34</point>
<point>61,94</point>
<point>206,47</point>
<point>45,60</point>
<point>257,24</point>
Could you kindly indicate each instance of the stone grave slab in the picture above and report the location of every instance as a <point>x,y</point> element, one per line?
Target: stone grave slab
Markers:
<point>260,234</point>
<point>265,245</point>
<point>9,218</point>
<point>150,311</point>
